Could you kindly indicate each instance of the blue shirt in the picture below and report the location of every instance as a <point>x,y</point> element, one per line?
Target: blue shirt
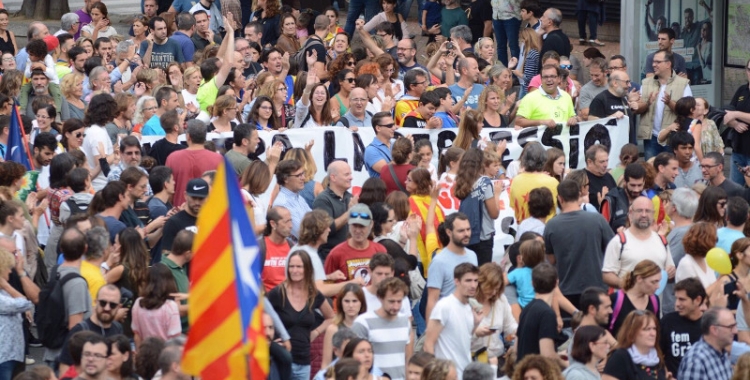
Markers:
<point>521,278</point>
<point>153,127</point>
<point>448,121</point>
<point>442,266</point>
<point>296,205</point>
<point>703,362</point>
<point>114,226</point>
<point>727,237</point>
<point>434,16</point>
<point>375,152</point>
<point>188,48</point>
<point>457,92</point>
<point>21,59</point>
<point>181,5</point>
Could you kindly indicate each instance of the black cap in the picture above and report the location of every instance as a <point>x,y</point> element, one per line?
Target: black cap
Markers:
<point>197,187</point>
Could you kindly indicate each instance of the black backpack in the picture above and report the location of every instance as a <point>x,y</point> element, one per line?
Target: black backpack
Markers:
<point>618,208</point>
<point>300,57</point>
<point>51,319</point>
<point>76,208</point>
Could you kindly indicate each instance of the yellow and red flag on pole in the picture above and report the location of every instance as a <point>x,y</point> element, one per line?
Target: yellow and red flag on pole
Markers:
<point>226,338</point>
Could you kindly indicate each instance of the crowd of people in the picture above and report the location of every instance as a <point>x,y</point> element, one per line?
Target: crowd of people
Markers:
<point>609,275</point>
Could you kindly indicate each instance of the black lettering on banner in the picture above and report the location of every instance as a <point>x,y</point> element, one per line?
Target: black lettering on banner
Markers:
<point>496,137</point>
<point>359,152</point>
<point>575,130</point>
<point>598,134</point>
<point>549,133</point>
<point>526,135</point>
<point>284,141</point>
<point>443,138</point>
<point>329,149</point>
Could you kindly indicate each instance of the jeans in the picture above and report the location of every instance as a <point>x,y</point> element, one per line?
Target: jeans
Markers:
<point>483,249</point>
<point>418,319</point>
<point>356,8</point>
<point>506,35</point>
<point>591,17</point>
<point>734,173</point>
<point>652,147</point>
<point>300,372</point>
<point>6,369</point>
<point>404,7</point>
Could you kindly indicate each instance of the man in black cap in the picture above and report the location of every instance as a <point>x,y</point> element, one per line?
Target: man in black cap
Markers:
<point>196,193</point>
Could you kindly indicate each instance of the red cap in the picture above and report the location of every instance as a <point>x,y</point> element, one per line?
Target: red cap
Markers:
<point>52,42</point>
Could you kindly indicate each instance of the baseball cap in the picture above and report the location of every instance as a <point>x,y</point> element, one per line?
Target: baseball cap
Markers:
<point>360,214</point>
<point>197,187</point>
<point>52,42</point>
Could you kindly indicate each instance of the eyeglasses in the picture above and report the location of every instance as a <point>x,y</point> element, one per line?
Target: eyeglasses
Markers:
<point>362,215</point>
<point>658,61</point>
<point>566,67</point>
<point>91,355</point>
<point>391,125</point>
<point>112,305</point>
<point>298,175</point>
<point>350,63</point>
<point>731,327</point>
<point>79,135</point>
<point>350,80</point>
<point>8,59</point>
<point>358,100</point>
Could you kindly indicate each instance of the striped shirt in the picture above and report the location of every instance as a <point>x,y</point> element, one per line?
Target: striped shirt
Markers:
<point>389,339</point>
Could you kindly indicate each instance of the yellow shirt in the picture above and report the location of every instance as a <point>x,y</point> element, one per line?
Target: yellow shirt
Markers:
<point>521,187</point>
<point>403,107</point>
<point>537,105</point>
<point>94,277</point>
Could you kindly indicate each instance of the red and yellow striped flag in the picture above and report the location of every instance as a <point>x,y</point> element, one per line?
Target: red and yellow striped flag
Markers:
<point>226,339</point>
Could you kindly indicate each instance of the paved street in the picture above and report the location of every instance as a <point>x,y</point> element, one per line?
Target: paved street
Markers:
<point>118,7</point>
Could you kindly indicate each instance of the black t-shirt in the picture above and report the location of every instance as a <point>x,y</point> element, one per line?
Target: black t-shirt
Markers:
<point>254,69</point>
<point>479,12</point>
<point>175,224</point>
<point>596,184</point>
<point>741,102</point>
<point>556,40</point>
<point>319,48</point>
<point>626,308</point>
<point>414,122</point>
<point>620,365</point>
<point>677,336</point>
<point>270,30</point>
<point>606,103</point>
<point>537,321</point>
<point>87,325</point>
<point>733,189</point>
<point>161,149</point>
<point>299,324</point>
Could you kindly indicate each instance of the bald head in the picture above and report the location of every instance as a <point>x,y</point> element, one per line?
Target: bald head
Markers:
<point>337,167</point>
<point>358,102</point>
<point>339,176</point>
<point>321,23</point>
<point>641,213</point>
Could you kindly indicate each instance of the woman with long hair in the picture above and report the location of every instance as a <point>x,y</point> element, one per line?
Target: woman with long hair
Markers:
<point>71,87</point>
<point>712,206</point>
<point>638,353</point>
<point>263,115</point>
<point>447,170</point>
<point>469,129</point>
<point>361,350</point>
<point>7,37</point>
<point>120,360</point>
<point>223,114</point>
<point>528,59</point>
<point>711,140</point>
<point>495,310</point>
<point>637,293</point>
<point>493,107</point>
<point>295,300</point>
<point>314,107</point>
<point>72,134</point>
<point>155,313</point>
<point>419,187</point>
<point>345,83</point>
<point>267,13</point>
<point>590,347</point>
<point>687,120</point>
<point>277,91</point>
<point>373,190</point>
<point>698,240</point>
<point>100,25</point>
<point>390,15</point>
<point>555,165</point>
<point>480,200</point>
<point>255,181</point>
<point>288,41</point>
<point>350,303</point>
<point>132,272</point>
<point>740,257</point>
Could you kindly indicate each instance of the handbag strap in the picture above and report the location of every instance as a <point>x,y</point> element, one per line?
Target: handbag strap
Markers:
<point>492,322</point>
<point>395,178</point>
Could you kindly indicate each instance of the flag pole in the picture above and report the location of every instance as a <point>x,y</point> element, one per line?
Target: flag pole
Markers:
<point>25,141</point>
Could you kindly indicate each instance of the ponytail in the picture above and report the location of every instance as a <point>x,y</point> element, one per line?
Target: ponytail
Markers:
<point>7,209</point>
<point>447,156</point>
<point>645,268</point>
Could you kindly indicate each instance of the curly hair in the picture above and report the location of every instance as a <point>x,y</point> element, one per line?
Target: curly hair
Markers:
<point>11,83</point>
<point>422,179</point>
<point>10,172</point>
<point>486,94</point>
<point>546,367</point>
<point>313,224</point>
<point>102,110</point>
<point>338,64</point>
<point>491,284</point>
<point>699,239</point>
<point>385,60</point>
<point>273,8</point>
<point>369,68</point>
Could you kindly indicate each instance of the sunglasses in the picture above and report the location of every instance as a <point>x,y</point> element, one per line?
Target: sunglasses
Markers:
<point>350,80</point>
<point>566,67</point>
<point>112,305</point>
<point>79,135</point>
<point>387,125</point>
<point>362,215</point>
<point>350,63</point>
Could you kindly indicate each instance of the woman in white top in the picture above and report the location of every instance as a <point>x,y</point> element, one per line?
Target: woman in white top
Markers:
<point>390,85</point>
<point>315,110</point>
<point>496,313</point>
<point>100,23</point>
<point>191,80</point>
<point>699,239</point>
<point>256,179</point>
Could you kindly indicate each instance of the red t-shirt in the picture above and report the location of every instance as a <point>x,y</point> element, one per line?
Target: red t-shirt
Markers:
<point>353,263</point>
<point>187,164</point>
<point>274,268</point>
<point>390,182</point>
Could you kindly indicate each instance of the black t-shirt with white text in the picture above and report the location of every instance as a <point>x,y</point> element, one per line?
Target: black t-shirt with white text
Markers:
<point>677,336</point>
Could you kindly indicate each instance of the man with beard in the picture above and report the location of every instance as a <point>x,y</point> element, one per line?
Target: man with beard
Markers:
<point>615,204</point>
<point>159,50</point>
<point>596,308</point>
<point>92,356</point>
<point>249,67</point>
<point>637,243</point>
<point>712,167</point>
<point>246,140</point>
<point>453,321</point>
<point>388,330</point>
<point>600,180</point>
<point>39,85</point>
<point>406,55</point>
<point>77,57</point>
<point>203,35</point>
<point>45,144</point>
<point>102,321</point>
<point>195,196</point>
<point>103,48</point>
<point>682,328</point>
<point>549,107</point>
<point>440,283</point>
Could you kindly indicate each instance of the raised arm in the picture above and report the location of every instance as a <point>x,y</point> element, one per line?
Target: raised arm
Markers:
<point>228,45</point>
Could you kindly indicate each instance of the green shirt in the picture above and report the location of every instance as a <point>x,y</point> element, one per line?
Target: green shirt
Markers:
<point>537,105</point>
<point>239,161</point>
<point>450,18</point>
<point>183,284</point>
<point>207,93</point>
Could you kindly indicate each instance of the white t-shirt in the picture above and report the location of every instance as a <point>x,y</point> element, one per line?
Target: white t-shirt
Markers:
<point>373,303</point>
<point>530,224</point>
<point>96,134</point>
<point>319,273</point>
<point>454,342</point>
<point>190,98</point>
<point>688,267</point>
<point>635,251</point>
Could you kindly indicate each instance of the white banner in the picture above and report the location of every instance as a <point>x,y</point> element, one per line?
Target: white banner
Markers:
<point>338,143</point>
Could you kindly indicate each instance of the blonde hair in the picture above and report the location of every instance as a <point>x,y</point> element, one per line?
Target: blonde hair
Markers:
<point>68,83</point>
<point>531,40</point>
<point>221,104</point>
<point>486,94</point>
<point>269,89</point>
<point>188,72</point>
<point>306,159</point>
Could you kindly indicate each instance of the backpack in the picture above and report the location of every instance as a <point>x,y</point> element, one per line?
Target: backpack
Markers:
<point>620,298</point>
<point>300,57</point>
<point>76,208</point>
<point>473,208</point>
<point>623,240</point>
<point>51,319</point>
<point>618,204</point>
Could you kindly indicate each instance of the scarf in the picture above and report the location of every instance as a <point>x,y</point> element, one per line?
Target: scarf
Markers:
<point>420,204</point>
<point>649,360</point>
